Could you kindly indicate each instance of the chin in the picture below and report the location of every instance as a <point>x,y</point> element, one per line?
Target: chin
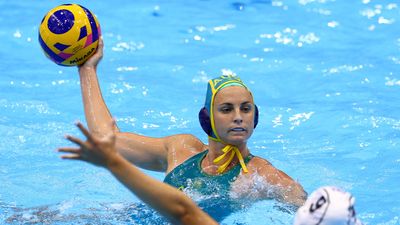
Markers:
<point>237,140</point>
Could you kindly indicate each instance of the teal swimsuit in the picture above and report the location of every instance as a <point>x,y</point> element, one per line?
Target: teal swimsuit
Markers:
<point>190,176</point>
<point>213,189</point>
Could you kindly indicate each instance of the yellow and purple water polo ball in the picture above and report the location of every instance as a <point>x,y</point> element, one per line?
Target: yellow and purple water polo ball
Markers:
<point>69,34</point>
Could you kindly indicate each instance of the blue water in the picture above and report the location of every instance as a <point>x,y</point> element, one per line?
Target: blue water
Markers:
<point>324,74</point>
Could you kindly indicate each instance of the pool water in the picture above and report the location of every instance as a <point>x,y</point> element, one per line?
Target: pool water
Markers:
<point>324,74</point>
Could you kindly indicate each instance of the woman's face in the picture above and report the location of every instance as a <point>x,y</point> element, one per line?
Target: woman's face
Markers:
<point>234,114</point>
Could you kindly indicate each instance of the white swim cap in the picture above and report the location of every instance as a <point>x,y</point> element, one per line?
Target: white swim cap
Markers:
<point>328,206</point>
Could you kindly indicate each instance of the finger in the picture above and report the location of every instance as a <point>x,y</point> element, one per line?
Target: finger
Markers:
<point>101,45</point>
<point>84,131</point>
<point>99,52</point>
<point>75,140</point>
<point>72,156</point>
<point>70,150</point>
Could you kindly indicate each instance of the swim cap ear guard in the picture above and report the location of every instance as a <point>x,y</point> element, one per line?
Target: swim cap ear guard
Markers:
<point>204,118</point>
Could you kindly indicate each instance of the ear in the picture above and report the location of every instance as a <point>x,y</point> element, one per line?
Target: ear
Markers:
<point>255,116</point>
<point>204,118</point>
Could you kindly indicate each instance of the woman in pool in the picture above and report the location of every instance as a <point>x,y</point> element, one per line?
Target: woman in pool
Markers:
<point>326,206</point>
<point>224,166</point>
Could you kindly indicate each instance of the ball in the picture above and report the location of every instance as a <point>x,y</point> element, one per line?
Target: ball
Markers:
<point>69,34</point>
<point>328,205</point>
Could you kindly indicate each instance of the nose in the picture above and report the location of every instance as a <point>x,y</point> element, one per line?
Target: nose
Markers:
<point>238,117</point>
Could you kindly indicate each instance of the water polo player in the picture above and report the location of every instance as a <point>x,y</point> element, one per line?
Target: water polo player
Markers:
<point>225,164</point>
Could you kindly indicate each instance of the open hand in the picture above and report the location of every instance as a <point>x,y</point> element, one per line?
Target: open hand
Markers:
<point>98,151</point>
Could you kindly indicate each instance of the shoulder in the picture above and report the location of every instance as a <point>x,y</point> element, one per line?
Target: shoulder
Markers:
<point>185,141</point>
<point>259,163</point>
<point>181,147</point>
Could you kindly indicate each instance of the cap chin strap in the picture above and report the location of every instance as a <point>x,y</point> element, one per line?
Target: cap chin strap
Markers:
<point>234,151</point>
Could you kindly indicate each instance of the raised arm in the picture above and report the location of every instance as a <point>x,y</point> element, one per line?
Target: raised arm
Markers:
<point>96,112</point>
<point>170,202</point>
<point>146,152</point>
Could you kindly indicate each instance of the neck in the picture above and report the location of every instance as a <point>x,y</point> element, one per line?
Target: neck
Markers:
<point>215,150</point>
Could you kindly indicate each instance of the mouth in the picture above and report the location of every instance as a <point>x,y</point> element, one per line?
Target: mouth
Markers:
<point>237,129</point>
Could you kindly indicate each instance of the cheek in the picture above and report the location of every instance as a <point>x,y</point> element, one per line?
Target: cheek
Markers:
<point>250,118</point>
<point>220,117</point>
<point>250,131</point>
<point>219,120</point>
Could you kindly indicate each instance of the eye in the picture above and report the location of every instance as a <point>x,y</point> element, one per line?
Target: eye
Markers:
<point>246,108</point>
<point>226,109</point>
